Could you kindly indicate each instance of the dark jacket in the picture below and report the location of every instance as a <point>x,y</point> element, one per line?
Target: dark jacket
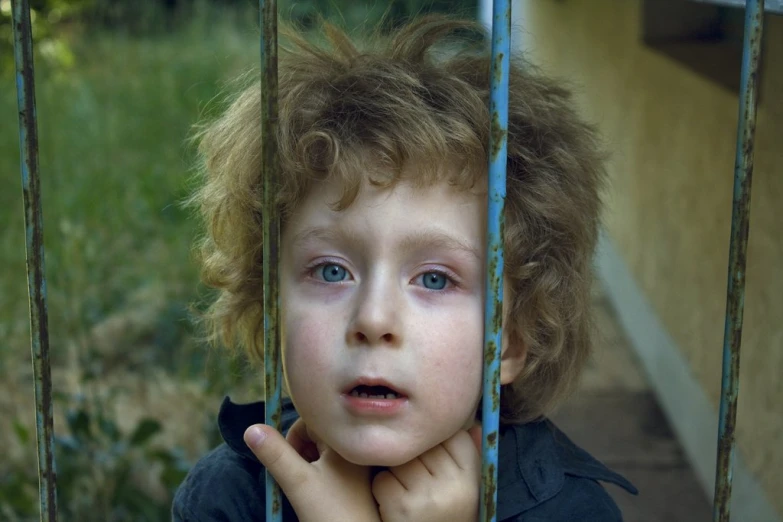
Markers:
<point>542,476</point>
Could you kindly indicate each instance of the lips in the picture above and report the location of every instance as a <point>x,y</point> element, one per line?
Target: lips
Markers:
<point>368,388</point>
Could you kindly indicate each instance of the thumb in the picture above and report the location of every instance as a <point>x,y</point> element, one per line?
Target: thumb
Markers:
<point>278,456</point>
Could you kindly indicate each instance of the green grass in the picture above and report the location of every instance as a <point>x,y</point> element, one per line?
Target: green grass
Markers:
<point>115,165</point>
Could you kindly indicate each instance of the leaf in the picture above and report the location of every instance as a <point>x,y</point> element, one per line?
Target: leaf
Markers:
<point>173,477</point>
<point>109,428</point>
<point>79,424</point>
<point>163,456</point>
<point>144,431</point>
<point>21,431</point>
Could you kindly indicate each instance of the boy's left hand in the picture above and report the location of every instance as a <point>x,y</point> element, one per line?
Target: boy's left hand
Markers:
<point>441,484</point>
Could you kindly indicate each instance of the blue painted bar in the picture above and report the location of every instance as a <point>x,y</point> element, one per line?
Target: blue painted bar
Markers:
<point>271,224</point>
<point>36,278</point>
<point>772,6</point>
<point>493,304</point>
<point>740,223</point>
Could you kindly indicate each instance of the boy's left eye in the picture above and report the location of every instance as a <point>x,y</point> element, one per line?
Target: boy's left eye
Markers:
<point>434,280</point>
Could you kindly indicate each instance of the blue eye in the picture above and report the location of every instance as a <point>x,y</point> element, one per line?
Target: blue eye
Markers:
<point>434,280</point>
<point>332,273</point>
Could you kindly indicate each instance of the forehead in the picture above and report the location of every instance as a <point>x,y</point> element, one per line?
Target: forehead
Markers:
<point>440,209</point>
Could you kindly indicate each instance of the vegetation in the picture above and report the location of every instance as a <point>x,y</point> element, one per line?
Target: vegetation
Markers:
<point>137,390</point>
<point>136,398</point>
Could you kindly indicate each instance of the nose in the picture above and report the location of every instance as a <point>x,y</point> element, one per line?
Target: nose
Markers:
<point>376,317</point>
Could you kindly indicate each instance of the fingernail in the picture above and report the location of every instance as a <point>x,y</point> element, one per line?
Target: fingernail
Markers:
<point>254,436</point>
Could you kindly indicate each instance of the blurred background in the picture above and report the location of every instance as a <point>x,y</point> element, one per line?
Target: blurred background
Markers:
<point>660,79</point>
<point>119,86</point>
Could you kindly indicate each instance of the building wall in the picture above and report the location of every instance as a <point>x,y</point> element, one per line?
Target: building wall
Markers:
<point>672,136</point>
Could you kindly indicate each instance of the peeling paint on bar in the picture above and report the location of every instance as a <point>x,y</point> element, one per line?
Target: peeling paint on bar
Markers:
<point>36,279</point>
<point>493,305</point>
<point>271,224</point>
<point>740,219</point>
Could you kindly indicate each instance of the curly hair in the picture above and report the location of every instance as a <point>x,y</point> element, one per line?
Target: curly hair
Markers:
<point>420,95</point>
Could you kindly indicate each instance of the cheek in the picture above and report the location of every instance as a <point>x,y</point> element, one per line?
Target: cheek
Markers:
<point>455,360</point>
<point>305,351</point>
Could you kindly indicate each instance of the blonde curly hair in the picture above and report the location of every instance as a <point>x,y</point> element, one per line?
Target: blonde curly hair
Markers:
<point>419,95</point>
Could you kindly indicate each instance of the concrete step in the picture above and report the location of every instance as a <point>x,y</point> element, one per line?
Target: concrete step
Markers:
<point>614,415</point>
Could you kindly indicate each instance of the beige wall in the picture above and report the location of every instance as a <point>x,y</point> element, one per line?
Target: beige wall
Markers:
<point>672,135</point>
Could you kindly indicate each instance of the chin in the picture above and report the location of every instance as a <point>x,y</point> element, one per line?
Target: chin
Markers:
<point>389,457</point>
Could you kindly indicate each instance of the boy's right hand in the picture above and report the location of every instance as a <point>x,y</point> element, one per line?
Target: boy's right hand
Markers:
<point>329,488</point>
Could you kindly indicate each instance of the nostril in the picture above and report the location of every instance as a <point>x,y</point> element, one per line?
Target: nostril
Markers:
<point>358,336</point>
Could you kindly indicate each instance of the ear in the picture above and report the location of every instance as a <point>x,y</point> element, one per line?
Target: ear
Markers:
<point>512,359</point>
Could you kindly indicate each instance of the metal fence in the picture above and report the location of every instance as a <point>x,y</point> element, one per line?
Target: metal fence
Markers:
<point>501,29</point>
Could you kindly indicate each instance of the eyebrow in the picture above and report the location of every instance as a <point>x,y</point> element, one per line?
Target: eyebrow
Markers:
<point>429,238</point>
<point>419,240</point>
<point>325,234</point>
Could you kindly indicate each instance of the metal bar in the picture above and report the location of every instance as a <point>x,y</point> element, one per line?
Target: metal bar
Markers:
<point>271,224</point>
<point>493,304</point>
<point>740,217</point>
<point>772,6</point>
<point>36,279</point>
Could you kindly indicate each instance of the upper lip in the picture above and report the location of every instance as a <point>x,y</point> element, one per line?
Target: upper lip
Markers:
<point>372,381</point>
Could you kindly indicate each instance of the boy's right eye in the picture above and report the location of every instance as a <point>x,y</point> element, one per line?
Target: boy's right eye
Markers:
<point>331,273</point>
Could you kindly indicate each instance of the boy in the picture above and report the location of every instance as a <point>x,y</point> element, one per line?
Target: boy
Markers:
<point>383,202</point>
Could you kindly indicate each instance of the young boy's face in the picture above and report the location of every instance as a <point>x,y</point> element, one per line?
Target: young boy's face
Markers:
<point>383,317</point>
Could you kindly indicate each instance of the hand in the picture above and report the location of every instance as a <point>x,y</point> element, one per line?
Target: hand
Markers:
<point>326,487</point>
<point>441,484</point>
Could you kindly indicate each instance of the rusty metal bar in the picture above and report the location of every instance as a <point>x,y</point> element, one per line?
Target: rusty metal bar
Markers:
<point>36,279</point>
<point>271,224</point>
<point>493,304</point>
<point>773,6</point>
<point>740,218</point>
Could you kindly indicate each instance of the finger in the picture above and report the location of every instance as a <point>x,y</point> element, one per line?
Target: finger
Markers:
<point>386,488</point>
<point>299,439</point>
<point>438,461</point>
<point>278,456</point>
<point>462,449</point>
<point>411,474</point>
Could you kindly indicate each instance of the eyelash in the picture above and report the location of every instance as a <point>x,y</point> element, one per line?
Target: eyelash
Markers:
<point>452,281</point>
<point>312,270</point>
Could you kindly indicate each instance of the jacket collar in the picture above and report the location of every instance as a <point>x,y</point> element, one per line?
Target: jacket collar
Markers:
<point>538,457</point>
<point>234,419</point>
<point>533,459</point>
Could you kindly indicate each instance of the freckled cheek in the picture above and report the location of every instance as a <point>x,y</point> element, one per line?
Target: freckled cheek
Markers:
<point>307,349</point>
<point>455,361</point>
<point>463,372</point>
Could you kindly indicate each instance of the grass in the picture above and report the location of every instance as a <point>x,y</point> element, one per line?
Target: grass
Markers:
<point>115,165</point>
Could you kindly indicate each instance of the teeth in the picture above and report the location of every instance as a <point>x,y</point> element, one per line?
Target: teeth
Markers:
<point>363,395</point>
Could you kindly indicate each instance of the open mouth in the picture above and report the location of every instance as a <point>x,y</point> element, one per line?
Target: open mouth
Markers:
<point>374,392</point>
